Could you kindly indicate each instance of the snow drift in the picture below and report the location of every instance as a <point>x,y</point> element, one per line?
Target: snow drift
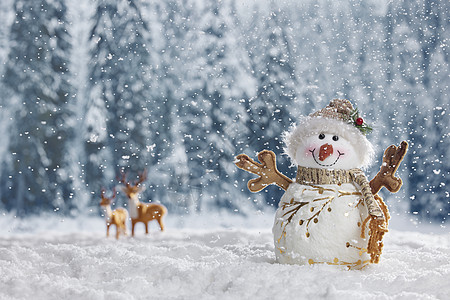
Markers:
<point>194,263</point>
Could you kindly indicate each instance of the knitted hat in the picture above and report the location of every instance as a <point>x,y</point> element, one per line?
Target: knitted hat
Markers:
<point>340,118</point>
<point>337,109</point>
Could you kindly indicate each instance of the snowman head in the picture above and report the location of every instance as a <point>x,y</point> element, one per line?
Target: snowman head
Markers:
<point>332,138</point>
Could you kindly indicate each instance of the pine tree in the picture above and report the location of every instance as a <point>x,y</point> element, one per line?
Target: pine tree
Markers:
<point>76,157</point>
<point>118,113</point>
<point>169,180</point>
<point>217,76</point>
<point>38,61</point>
<point>271,111</point>
<point>187,85</point>
<point>415,38</point>
<point>314,35</point>
<point>6,19</point>
<point>429,166</point>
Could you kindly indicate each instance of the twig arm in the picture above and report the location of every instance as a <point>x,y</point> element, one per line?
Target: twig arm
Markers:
<point>392,158</point>
<point>266,170</point>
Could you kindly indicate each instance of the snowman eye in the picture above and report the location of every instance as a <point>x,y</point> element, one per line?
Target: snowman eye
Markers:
<point>321,136</point>
<point>335,138</point>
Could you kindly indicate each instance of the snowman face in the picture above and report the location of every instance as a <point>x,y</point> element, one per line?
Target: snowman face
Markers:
<point>327,151</point>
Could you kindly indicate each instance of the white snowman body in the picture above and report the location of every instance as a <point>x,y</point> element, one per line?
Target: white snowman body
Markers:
<point>324,223</point>
<point>321,224</point>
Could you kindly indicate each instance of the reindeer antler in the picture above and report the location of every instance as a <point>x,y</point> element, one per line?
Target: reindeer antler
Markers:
<point>104,198</point>
<point>142,177</point>
<point>122,178</point>
<point>392,158</point>
<point>267,171</point>
<point>102,193</point>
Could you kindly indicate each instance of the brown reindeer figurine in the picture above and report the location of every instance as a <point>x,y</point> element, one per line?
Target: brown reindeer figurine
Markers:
<point>139,211</point>
<point>116,217</point>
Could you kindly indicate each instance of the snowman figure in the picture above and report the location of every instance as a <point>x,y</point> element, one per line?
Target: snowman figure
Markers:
<point>330,214</point>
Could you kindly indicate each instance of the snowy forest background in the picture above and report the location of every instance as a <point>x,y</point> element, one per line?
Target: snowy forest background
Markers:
<point>179,87</point>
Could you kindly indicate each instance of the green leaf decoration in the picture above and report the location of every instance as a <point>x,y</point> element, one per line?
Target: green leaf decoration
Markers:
<point>364,128</point>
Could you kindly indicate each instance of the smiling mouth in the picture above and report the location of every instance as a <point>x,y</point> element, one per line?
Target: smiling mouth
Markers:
<point>323,165</point>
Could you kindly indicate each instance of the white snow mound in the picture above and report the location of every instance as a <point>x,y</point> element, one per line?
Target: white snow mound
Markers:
<point>210,264</point>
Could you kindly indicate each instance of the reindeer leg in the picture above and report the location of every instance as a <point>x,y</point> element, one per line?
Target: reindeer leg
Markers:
<point>161,225</point>
<point>107,230</point>
<point>132,227</point>
<point>124,229</point>
<point>117,232</point>
<point>146,227</point>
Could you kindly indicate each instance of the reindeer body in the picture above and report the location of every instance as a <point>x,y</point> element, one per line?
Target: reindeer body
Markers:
<point>145,212</point>
<point>139,211</point>
<point>116,217</point>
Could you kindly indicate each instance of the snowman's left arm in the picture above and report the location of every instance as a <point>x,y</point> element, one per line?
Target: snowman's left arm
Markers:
<point>385,177</point>
<point>392,158</point>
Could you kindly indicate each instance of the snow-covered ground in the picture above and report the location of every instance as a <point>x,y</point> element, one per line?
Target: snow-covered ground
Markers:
<point>217,258</point>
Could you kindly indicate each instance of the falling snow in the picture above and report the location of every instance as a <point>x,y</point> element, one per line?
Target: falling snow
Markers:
<point>90,89</point>
<point>180,88</point>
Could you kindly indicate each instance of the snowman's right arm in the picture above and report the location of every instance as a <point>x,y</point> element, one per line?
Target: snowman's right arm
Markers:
<point>266,170</point>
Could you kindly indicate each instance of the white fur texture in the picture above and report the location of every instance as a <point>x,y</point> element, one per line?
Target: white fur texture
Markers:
<point>334,238</point>
<point>309,126</point>
<point>107,212</point>
<point>132,207</point>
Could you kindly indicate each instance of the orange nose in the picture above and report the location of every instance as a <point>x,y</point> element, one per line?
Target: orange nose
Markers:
<point>325,151</point>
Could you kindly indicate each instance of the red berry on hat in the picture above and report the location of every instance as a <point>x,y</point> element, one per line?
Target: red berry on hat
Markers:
<point>359,121</point>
